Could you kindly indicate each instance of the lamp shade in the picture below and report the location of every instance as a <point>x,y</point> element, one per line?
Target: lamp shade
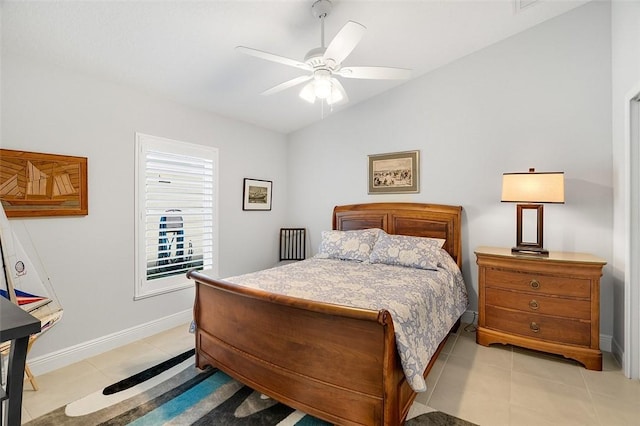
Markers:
<point>533,187</point>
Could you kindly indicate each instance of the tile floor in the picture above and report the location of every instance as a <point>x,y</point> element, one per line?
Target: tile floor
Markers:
<point>497,385</point>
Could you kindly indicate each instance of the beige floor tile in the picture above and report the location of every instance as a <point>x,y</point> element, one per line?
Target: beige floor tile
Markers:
<point>25,417</point>
<point>466,347</point>
<point>609,362</point>
<point>612,411</point>
<point>480,408</point>
<point>521,416</point>
<point>612,382</point>
<point>62,386</point>
<point>432,379</point>
<point>550,398</point>
<point>451,341</point>
<point>128,360</point>
<point>466,375</point>
<point>174,341</point>
<point>550,367</point>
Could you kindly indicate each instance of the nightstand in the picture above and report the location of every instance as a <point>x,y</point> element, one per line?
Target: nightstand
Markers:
<point>549,304</point>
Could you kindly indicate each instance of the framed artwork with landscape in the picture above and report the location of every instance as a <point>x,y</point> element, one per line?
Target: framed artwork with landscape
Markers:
<point>256,194</point>
<point>395,172</point>
<point>38,184</point>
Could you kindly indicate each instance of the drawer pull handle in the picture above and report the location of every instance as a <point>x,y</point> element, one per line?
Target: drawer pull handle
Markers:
<point>534,305</point>
<point>535,284</point>
<point>534,327</point>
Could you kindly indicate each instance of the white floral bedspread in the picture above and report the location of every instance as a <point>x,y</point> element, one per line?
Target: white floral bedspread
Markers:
<point>424,304</point>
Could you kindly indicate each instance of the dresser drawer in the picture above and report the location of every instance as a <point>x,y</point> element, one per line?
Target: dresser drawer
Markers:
<point>573,332</point>
<point>538,303</point>
<point>544,284</point>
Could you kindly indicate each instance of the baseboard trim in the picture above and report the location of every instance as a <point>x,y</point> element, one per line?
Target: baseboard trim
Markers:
<point>469,317</point>
<point>63,357</point>
<point>605,342</point>
<point>617,351</point>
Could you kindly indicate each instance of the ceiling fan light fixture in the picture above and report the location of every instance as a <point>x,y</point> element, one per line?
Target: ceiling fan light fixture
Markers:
<point>337,94</point>
<point>308,93</point>
<point>325,89</point>
<point>322,87</point>
<point>324,63</point>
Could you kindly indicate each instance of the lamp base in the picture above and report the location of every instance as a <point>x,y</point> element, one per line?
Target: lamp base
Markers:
<point>534,251</point>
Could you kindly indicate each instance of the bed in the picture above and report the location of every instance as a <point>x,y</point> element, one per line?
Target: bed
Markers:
<point>338,363</point>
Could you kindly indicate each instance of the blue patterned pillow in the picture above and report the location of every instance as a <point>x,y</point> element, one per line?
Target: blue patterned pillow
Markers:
<point>348,245</point>
<point>402,250</point>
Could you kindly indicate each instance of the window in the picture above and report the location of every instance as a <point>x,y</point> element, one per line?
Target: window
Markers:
<point>176,213</point>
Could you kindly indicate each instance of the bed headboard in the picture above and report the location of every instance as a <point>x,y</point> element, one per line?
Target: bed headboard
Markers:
<point>421,220</point>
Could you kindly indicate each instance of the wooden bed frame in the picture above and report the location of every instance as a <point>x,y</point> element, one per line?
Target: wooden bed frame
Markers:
<point>337,363</point>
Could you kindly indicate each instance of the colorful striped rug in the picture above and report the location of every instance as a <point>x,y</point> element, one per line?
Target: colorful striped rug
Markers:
<point>174,392</point>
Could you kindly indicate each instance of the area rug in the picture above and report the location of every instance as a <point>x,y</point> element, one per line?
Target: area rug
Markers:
<point>174,392</point>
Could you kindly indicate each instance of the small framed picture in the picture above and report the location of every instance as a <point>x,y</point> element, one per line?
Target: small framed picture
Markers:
<point>395,172</point>
<point>256,194</point>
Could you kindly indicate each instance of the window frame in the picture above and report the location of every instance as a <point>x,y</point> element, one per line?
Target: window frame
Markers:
<point>144,287</point>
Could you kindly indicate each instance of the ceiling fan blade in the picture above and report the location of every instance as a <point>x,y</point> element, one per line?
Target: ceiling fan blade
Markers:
<point>273,58</point>
<point>338,94</point>
<point>287,84</point>
<point>381,73</point>
<point>345,41</point>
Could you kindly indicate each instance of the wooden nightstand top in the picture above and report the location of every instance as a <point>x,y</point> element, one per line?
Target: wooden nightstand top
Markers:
<point>554,256</point>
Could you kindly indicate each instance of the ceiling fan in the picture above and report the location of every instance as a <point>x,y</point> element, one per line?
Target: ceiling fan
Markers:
<point>324,64</point>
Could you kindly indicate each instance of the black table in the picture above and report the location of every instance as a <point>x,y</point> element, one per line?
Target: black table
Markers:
<point>15,325</point>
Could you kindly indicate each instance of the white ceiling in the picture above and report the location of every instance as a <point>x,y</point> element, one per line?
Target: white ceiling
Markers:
<point>184,50</point>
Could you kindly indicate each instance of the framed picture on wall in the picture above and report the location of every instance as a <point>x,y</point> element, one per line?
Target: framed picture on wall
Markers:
<point>256,194</point>
<point>395,172</point>
<point>38,184</point>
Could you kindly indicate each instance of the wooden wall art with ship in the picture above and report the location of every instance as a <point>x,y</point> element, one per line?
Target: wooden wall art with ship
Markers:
<point>34,184</point>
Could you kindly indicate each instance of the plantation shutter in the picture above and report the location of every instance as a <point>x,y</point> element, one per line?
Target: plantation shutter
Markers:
<point>177,185</point>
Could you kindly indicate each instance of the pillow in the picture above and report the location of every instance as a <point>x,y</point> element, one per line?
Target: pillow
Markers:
<point>403,250</point>
<point>348,245</point>
<point>440,241</point>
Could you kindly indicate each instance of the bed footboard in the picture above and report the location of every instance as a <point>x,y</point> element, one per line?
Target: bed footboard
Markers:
<point>337,363</point>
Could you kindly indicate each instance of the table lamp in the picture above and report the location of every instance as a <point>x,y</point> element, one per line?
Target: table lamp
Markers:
<point>532,188</point>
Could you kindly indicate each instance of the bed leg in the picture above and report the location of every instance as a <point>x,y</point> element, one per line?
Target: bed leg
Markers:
<point>455,327</point>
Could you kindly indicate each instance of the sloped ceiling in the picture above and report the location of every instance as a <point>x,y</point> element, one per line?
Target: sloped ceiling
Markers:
<point>184,50</point>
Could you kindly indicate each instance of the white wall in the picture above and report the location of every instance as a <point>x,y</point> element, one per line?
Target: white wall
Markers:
<point>626,83</point>
<point>91,259</point>
<point>539,99</point>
